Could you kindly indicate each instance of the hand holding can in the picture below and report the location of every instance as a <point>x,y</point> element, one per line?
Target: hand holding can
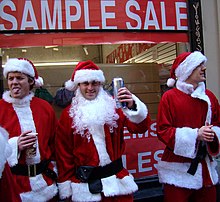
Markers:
<point>31,151</point>
<point>118,83</point>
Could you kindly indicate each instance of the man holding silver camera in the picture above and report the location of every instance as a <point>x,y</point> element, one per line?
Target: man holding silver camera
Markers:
<point>89,139</point>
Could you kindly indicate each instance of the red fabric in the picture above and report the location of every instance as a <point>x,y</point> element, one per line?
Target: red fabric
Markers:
<point>178,109</point>
<point>179,59</point>
<point>73,150</point>
<point>8,191</point>
<point>176,194</point>
<point>45,123</point>
<point>85,65</point>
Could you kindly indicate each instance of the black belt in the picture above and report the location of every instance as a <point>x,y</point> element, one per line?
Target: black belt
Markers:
<point>33,170</point>
<point>93,175</point>
<point>201,154</point>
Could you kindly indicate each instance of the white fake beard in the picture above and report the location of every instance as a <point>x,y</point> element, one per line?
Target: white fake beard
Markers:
<point>86,113</point>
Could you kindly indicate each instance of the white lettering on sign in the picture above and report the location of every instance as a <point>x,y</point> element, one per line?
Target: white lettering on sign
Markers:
<point>157,156</point>
<point>164,21</point>
<point>105,15</point>
<point>151,18</point>
<point>180,16</point>
<point>96,14</point>
<point>133,16</point>
<point>153,129</point>
<point>148,133</point>
<point>145,162</point>
<point>150,11</point>
<point>72,18</point>
<point>87,17</point>
<point>28,11</point>
<point>46,17</point>
<point>8,17</point>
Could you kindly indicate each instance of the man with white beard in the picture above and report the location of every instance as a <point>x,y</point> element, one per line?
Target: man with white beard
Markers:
<point>89,139</point>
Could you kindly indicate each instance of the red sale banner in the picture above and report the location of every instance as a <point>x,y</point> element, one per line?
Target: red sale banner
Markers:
<point>142,152</point>
<point>63,22</point>
<point>93,14</point>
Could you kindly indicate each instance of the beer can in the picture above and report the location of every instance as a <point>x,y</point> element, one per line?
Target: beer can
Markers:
<point>116,84</point>
<point>31,152</point>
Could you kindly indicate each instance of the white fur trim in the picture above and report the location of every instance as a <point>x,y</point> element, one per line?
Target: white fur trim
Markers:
<point>139,115</point>
<point>89,75</point>
<point>184,87</point>
<point>81,193</point>
<point>98,136</point>
<point>7,97</point>
<point>113,186</point>
<point>5,149</point>
<point>64,189</point>
<point>200,93</point>
<point>212,170</point>
<point>185,69</point>
<point>13,158</point>
<point>171,82</point>
<point>185,142</point>
<point>27,124</point>
<point>41,195</point>
<point>16,65</point>
<point>176,174</point>
<point>83,76</point>
<point>216,129</point>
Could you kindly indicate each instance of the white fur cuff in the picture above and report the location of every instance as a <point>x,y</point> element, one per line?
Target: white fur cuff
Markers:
<point>139,115</point>
<point>13,159</point>
<point>185,142</point>
<point>64,189</point>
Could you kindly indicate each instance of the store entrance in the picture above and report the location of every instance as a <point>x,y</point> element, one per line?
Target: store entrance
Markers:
<point>144,67</point>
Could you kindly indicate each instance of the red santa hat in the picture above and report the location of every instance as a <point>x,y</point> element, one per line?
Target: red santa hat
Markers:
<point>183,66</point>
<point>85,71</point>
<point>25,66</point>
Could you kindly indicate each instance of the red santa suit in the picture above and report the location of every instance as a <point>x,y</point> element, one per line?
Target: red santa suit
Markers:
<point>8,191</point>
<point>31,113</point>
<point>177,128</point>
<point>182,111</point>
<point>95,143</point>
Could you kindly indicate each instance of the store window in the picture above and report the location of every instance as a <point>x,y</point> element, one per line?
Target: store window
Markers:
<point>144,67</point>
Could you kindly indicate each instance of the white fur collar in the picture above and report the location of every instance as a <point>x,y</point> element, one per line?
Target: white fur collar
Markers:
<point>188,88</point>
<point>26,100</point>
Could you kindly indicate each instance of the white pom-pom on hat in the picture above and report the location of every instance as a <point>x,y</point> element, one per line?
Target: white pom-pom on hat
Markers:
<point>171,82</point>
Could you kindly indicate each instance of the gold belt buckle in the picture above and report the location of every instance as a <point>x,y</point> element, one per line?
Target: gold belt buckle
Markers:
<point>32,170</point>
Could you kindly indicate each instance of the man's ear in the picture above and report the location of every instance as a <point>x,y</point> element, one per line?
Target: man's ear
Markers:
<point>31,80</point>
